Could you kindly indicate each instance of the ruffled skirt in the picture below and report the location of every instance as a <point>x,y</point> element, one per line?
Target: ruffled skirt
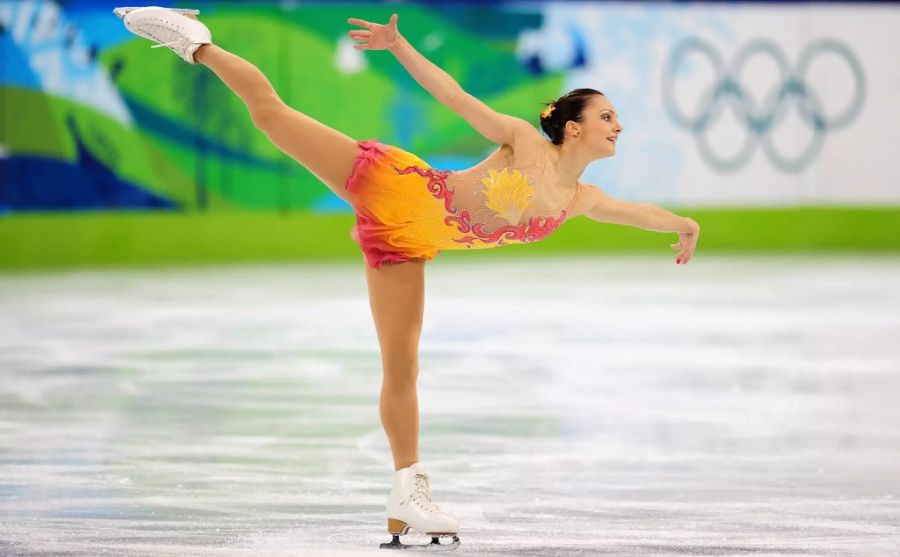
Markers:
<point>393,206</point>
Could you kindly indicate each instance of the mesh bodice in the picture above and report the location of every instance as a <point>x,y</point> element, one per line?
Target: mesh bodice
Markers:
<point>497,203</point>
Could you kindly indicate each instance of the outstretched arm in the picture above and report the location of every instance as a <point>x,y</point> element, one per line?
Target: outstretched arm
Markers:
<point>497,127</point>
<point>603,208</point>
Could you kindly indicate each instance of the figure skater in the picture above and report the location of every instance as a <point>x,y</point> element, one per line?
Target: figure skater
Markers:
<point>407,212</point>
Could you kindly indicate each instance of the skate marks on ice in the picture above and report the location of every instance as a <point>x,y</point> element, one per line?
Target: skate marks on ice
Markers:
<point>733,406</point>
<point>745,408</point>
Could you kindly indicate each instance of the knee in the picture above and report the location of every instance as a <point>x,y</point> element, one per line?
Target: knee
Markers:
<point>266,111</point>
<point>399,385</point>
<point>400,373</point>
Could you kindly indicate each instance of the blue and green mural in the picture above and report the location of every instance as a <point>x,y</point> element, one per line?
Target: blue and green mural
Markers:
<point>95,119</point>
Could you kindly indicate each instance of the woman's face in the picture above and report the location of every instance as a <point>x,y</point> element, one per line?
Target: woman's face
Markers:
<point>599,127</point>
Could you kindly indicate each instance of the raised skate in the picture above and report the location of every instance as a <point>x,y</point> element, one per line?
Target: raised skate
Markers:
<point>122,12</point>
<point>182,34</point>
<point>409,507</point>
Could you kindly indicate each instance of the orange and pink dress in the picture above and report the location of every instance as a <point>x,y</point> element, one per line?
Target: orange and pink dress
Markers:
<point>406,210</point>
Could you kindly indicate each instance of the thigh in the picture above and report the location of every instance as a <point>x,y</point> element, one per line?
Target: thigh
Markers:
<point>326,152</point>
<point>397,299</point>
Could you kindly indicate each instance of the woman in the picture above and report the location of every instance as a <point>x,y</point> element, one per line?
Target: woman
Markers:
<point>407,212</point>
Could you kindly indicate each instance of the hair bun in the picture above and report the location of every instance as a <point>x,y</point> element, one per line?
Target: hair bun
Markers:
<point>568,107</point>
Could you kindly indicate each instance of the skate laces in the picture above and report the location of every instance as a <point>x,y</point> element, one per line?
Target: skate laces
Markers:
<point>422,494</point>
<point>173,43</point>
<point>179,39</point>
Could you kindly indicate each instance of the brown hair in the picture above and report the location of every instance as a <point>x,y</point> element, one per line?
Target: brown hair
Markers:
<point>567,107</point>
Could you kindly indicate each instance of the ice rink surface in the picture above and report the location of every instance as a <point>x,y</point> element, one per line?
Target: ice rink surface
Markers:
<point>619,405</point>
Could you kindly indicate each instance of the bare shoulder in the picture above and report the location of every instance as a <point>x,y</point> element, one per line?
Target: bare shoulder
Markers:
<point>527,142</point>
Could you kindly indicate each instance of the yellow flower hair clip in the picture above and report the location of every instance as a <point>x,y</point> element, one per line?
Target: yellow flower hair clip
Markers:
<point>547,111</point>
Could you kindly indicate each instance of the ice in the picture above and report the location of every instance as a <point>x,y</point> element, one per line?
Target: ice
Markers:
<point>609,405</point>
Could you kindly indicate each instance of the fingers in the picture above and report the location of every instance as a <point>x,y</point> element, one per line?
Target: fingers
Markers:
<point>360,22</point>
<point>684,257</point>
<point>359,35</point>
<point>686,243</point>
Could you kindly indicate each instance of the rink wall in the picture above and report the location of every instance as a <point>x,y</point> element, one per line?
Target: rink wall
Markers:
<point>140,239</point>
<point>771,124</point>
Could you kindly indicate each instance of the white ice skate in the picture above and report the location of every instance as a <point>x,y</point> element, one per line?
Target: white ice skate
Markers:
<point>169,28</point>
<point>409,506</point>
<point>121,12</point>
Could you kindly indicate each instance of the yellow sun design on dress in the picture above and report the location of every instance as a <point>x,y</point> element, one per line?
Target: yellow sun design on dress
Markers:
<point>508,193</point>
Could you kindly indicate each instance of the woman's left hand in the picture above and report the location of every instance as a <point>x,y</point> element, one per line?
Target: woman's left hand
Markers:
<point>375,36</point>
<point>687,242</point>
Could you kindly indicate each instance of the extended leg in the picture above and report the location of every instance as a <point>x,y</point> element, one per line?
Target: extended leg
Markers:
<point>324,151</point>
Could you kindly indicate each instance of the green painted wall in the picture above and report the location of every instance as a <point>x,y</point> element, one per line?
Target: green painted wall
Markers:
<point>47,241</point>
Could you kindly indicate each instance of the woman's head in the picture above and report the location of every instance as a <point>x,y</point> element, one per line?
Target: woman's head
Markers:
<point>582,115</point>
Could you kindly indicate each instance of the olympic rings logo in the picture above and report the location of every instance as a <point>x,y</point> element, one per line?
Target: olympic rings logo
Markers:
<point>759,120</point>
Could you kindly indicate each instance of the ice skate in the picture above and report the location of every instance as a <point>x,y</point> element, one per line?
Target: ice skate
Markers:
<point>180,33</point>
<point>121,12</point>
<point>409,507</point>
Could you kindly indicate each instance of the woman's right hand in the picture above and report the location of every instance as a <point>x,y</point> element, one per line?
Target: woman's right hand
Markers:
<point>687,242</point>
<point>375,36</point>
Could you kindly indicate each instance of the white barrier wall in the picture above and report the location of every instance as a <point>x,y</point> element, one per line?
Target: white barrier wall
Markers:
<point>738,105</point>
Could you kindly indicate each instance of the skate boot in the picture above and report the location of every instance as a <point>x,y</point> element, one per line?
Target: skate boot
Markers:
<point>169,28</point>
<point>409,506</point>
<point>121,12</point>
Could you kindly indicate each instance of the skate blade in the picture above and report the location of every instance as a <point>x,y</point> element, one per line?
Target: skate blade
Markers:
<point>435,545</point>
<point>122,12</point>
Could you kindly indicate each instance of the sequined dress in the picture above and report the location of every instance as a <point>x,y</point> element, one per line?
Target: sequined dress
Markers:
<point>405,209</point>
